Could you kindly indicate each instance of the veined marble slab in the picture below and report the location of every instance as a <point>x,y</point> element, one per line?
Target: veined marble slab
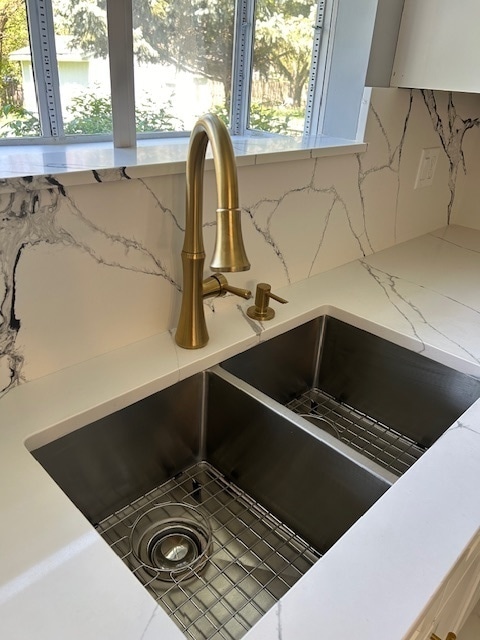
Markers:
<point>89,268</point>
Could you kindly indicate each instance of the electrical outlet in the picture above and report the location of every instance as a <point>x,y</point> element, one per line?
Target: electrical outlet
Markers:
<point>426,167</point>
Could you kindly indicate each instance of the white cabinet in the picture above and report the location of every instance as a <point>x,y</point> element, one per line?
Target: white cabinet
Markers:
<point>438,46</point>
<point>455,599</point>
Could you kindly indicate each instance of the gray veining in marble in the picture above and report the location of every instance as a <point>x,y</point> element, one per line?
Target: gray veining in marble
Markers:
<point>391,163</point>
<point>279,620</point>
<point>387,282</point>
<point>51,216</point>
<point>451,130</point>
<point>354,210</point>
<point>411,311</point>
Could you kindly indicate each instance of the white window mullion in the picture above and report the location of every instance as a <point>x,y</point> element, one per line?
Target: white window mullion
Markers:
<point>120,46</point>
<point>44,63</point>
<point>318,71</point>
<point>242,65</point>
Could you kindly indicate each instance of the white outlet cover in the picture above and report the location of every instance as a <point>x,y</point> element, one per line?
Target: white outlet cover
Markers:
<point>426,167</point>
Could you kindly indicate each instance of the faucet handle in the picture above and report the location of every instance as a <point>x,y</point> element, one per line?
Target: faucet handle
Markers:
<point>241,293</point>
<point>260,310</point>
<point>217,285</point>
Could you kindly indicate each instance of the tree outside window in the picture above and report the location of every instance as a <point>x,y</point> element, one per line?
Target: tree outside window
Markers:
<point>183,64</point>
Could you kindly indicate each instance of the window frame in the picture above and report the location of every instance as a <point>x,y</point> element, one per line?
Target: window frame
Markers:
<point>335,91</point>
<point>44,65</point>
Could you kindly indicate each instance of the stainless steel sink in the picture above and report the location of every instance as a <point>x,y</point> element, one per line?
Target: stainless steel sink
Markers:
<point>383,400</point>
<point>216,497</point>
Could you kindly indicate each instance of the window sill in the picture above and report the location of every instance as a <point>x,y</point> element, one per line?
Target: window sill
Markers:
<point>37,166</point>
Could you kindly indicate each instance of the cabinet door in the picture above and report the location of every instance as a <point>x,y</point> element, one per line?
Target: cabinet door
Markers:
<point>453,615</point>
<point>455,598</point>
<point>438,46</point>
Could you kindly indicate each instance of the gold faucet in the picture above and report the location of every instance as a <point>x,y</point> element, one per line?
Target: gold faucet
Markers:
<point>229,253</point>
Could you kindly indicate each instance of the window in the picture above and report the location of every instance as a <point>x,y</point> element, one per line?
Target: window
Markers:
<point>89,69</point>
<point>187,47</point>
<point>18,99</point>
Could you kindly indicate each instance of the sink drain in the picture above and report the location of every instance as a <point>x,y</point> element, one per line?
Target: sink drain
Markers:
<point>171,541</point>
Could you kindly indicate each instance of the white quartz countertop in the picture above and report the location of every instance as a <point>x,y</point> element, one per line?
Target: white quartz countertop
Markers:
<point>58,578</point>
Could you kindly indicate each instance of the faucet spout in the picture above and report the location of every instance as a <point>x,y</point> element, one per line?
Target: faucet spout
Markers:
<point>229,253</point>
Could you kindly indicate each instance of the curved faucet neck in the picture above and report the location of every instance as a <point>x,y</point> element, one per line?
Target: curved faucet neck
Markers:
<point>206,130</point>
<point>229,253</point>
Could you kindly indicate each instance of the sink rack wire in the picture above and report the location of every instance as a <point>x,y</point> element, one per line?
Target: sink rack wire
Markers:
<point>254,559</point>
<point>390,449</point>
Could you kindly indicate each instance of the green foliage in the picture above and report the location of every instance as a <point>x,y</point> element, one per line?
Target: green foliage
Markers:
<point>18,122</point>
<point>222,112</point>
<point>268,118</point>
<point>88,114</point>
<point>13,35</point>
<point>150,117</point>
<point>265,117</point>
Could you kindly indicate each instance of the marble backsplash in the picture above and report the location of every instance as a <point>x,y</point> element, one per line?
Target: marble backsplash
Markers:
<point>90,268</point>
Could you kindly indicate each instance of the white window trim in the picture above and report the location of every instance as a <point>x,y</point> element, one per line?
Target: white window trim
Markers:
<point>120,55</point>
<point>350,53</point>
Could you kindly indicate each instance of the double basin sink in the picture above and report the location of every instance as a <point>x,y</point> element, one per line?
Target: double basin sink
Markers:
<point>276,453</point>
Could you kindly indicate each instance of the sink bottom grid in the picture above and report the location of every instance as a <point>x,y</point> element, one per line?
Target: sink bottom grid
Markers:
<point>253,559</point>
<point>390,449</point>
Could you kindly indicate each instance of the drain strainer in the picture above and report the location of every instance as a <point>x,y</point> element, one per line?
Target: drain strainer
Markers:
<point>171,540</point>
